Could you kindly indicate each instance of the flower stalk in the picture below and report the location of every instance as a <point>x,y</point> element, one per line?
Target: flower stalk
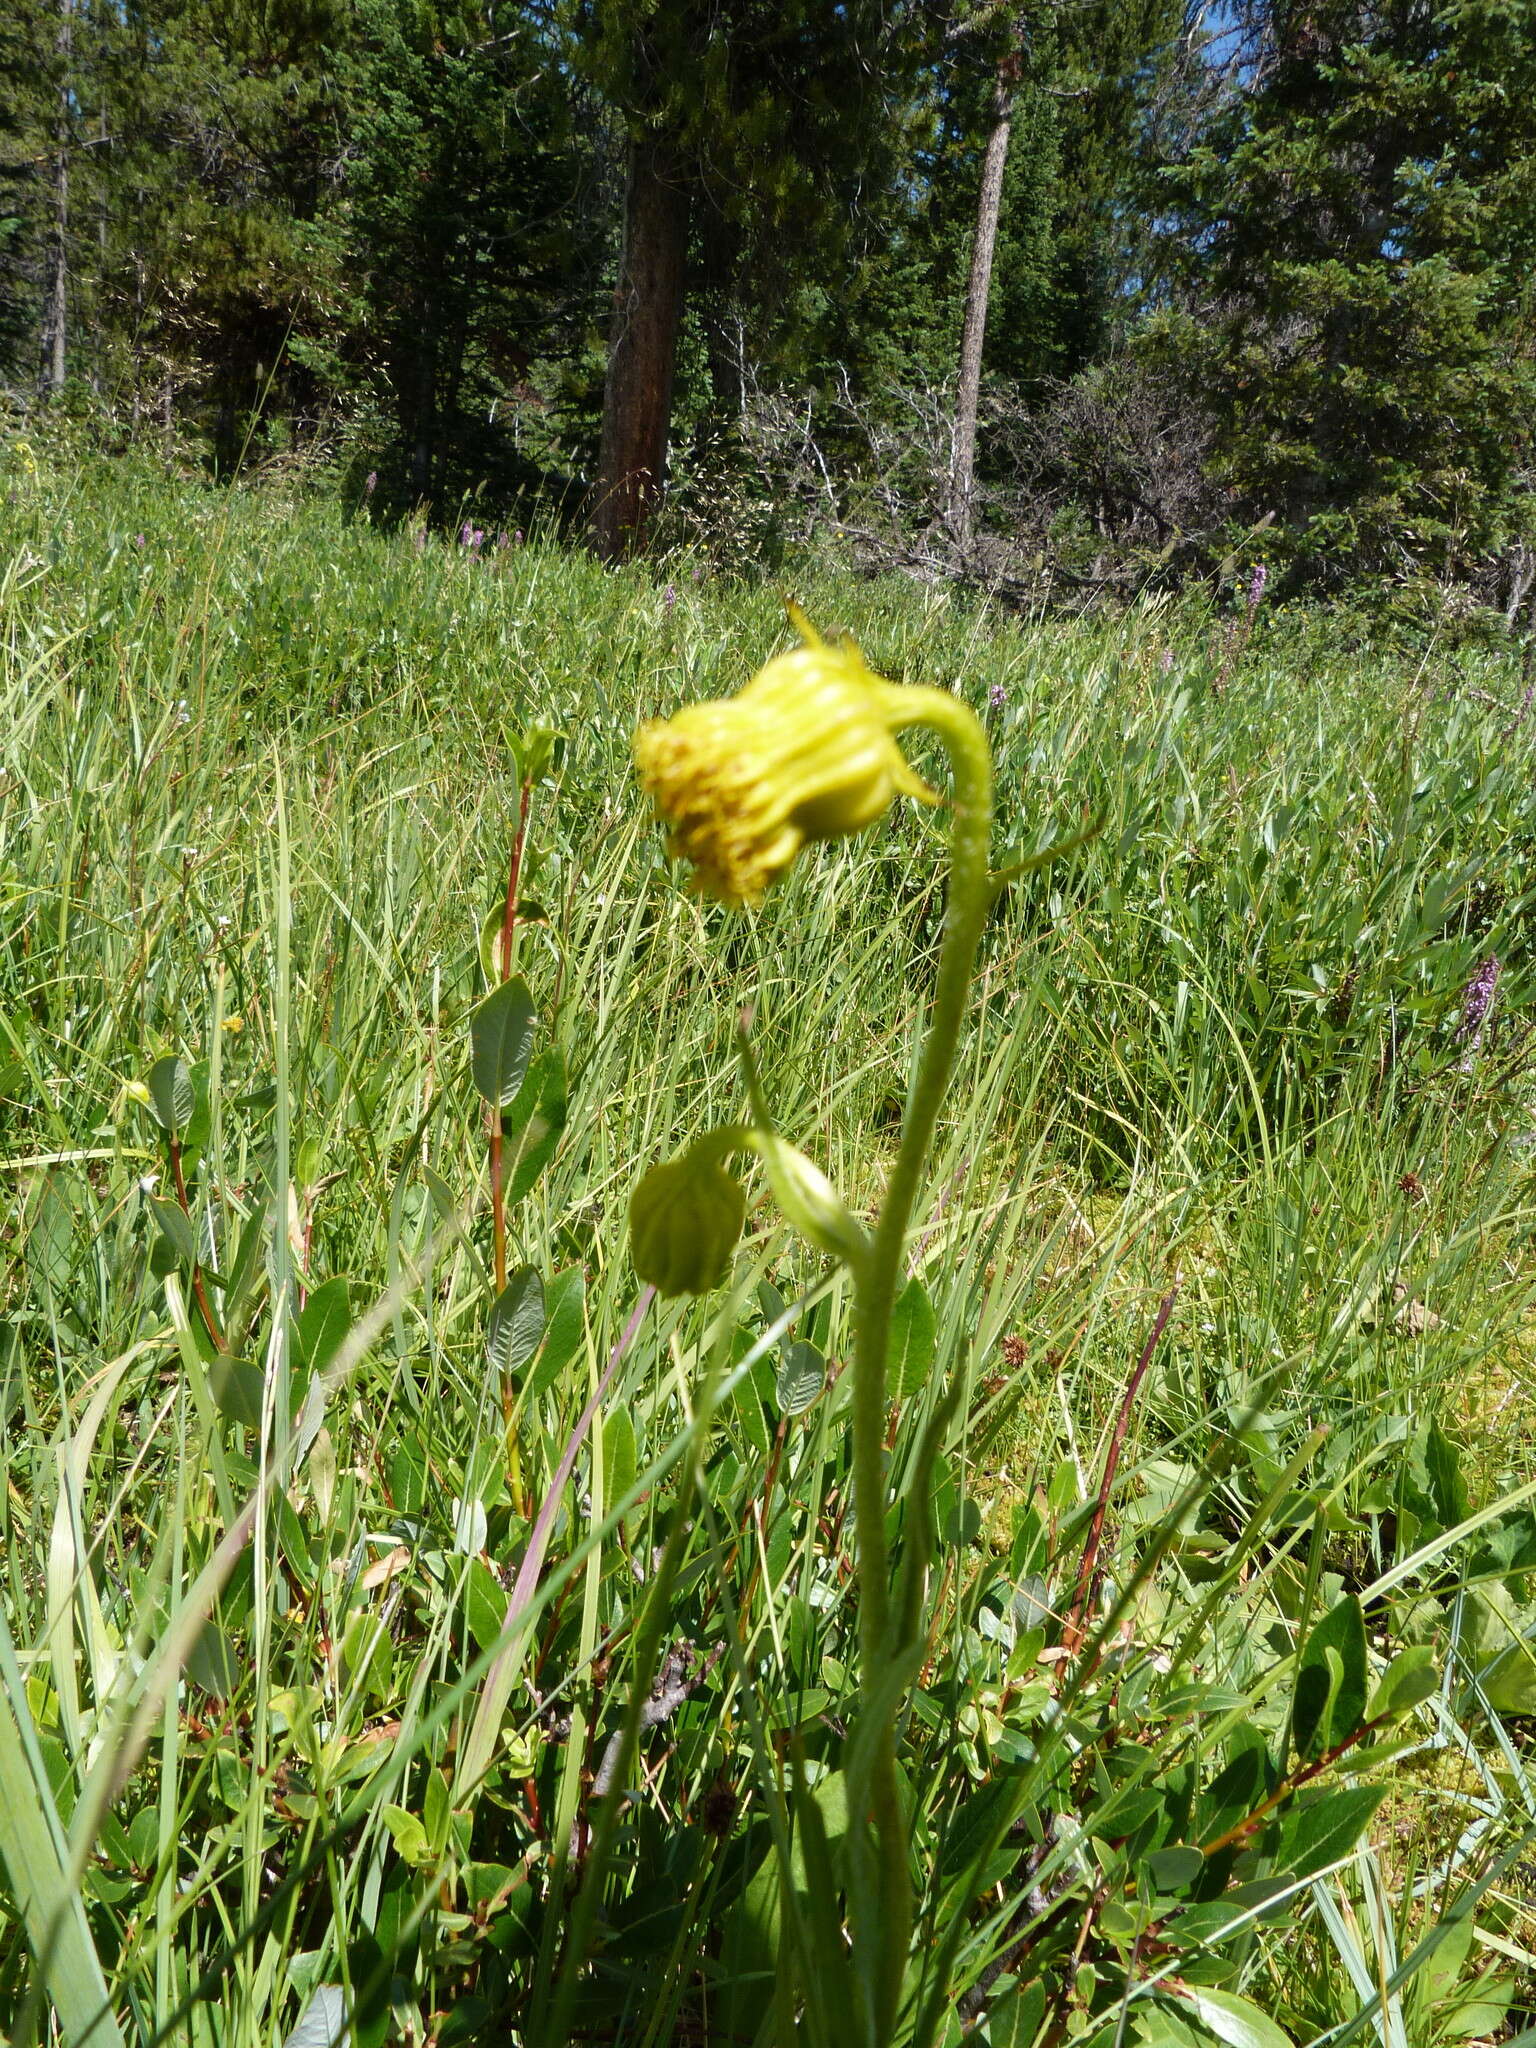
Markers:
<point>808,751</point>
<point>970,898</point>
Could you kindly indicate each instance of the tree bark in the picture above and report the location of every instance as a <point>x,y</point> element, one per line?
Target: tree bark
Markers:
<point>55,291</point>
<point>978,289</point>
<point>642,351</point>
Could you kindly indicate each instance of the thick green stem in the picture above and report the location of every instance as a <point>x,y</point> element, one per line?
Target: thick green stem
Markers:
<point>878,1276</point>
<point>882,1941</point>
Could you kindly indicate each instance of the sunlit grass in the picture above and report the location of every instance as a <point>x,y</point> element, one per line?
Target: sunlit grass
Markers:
<point>256,801</point>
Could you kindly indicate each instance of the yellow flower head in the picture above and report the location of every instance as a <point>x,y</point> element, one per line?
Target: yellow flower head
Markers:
<point>805,751</point>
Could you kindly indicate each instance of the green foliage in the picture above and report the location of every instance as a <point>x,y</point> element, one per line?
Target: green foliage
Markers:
<point>466,236</point>
<point>1354,235</point>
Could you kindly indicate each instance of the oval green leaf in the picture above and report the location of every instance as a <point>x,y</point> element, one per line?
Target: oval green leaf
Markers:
<point>801,1376</point>
<point>171,1093</point>
<point>516,1324</point>
<point>501,1039</point>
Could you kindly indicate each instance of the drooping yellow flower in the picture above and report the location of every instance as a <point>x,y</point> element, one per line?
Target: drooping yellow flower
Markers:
<point>804,752</point>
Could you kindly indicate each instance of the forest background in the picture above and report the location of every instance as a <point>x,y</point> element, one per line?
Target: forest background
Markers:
<point>1069,295</point>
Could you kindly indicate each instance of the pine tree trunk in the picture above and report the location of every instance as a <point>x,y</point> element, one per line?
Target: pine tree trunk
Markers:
<point>55,291</point>
<point>978,288</point>
<point>642,352</point>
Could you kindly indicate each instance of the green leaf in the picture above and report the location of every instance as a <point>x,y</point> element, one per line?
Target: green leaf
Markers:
<point>1482,2016</point>
<point>436,1810</point>
<point>238,1388</point>
<point>748,1398</point>
<point>489,1885</point>
<point>1206,1926</point>
<point>982,1817</point>
<point>618,1457</point>
<point>1231,2019</point>
<point>749,1951</point>
<point>322,1325</point>
<point>323,2022</point>
<point>816,1869</point>
<point>800,1378</point>
<point>537,1117</point>
<point>1243,1783</point>
<point>1173,1868</point>
<point>501,1040</point>
<point>1317,1831</point>
<point>175,1226</point>
<point>538,749</point>
<point>212,1661</point>
<point>408,1836</point>
<point>914,1341</point>
<point>51,1237</point>
<point>1502,1634</point>
<point>516,1324</point>
<point>564,1328</point>
<point>47,1900</point>
<point>1013,2019</point>
<point>172,1095</point>
<point>1410,1678</point>
<point>1331,1681</point>
<point>485,1603</point>
<point>1447,1485</point>
<point>367,1654</point>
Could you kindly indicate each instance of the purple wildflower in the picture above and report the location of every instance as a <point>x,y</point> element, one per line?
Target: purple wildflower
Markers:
<point>1256,583</point>
<point>669,596</point>
<point>518,537</point>
<point>997,698</point>
<point>1476,1002</point>
<point>370,484</point>
<point>1166,663</point>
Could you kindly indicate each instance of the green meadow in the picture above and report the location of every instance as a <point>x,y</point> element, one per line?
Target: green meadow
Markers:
<point>393,1654</point>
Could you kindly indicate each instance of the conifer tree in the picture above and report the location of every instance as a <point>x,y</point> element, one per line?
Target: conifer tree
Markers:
<point>1354,241</point>
<point>765,115</point>
<point>468,231</point>
<point>24,101</point>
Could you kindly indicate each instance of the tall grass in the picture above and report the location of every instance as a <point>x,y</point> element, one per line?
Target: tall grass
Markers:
<point>257,790</point>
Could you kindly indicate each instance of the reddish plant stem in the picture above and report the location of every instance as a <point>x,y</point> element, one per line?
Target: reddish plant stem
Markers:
<point>504,946</point>
<point>1292,1782</point>
<point>760,1512</point>
<point>1072,1635</point>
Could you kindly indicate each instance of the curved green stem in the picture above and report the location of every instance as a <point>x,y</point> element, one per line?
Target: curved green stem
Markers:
<point>878,1276</point>
<point>882,1900</point>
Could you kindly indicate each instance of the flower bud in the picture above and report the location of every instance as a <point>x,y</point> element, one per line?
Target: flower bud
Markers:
<point>809,1201</point>
<point>684,1220</point>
